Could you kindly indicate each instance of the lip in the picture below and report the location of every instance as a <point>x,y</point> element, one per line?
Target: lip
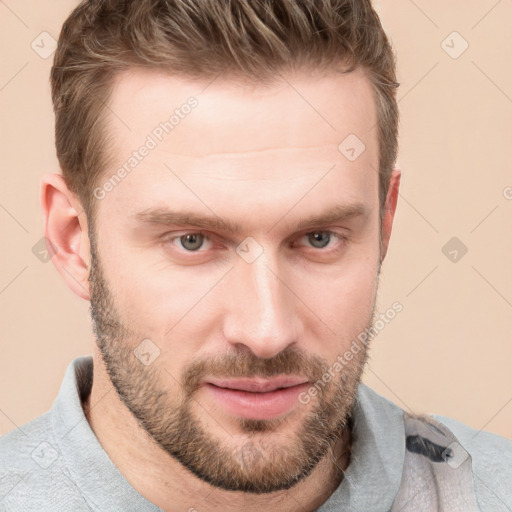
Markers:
<point>258,385</point>
<point>257,398</point>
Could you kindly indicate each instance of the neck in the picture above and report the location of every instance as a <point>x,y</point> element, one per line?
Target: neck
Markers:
<point>167,484</point>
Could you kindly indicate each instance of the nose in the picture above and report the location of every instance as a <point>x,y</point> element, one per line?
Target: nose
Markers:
<point>261,311</point>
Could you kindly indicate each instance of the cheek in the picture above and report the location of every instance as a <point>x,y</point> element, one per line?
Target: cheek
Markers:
<point>341,300</point>
<point>142,297</point>
<point>156,301</point>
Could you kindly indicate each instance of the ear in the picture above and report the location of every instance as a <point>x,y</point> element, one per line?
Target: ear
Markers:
<point>389,210</point>
<point>65,229</point>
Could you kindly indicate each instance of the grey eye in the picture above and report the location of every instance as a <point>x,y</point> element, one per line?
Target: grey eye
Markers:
<point>192,241</point>
<point>319,239</point>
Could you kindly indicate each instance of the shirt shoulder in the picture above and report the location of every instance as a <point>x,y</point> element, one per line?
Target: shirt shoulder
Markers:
<point>33,473</point>
<point>491,460</point>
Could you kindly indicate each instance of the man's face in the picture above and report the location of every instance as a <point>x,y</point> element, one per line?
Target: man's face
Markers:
<point>190,327</point>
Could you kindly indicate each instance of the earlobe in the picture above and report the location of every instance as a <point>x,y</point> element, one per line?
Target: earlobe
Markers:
<point>65,228</point>
<point>389,210</point>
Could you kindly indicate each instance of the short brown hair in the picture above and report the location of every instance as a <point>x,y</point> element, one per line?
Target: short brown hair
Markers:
<point>255,39</point>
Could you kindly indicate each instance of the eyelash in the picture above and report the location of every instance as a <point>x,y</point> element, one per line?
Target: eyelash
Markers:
<point>342,238</point>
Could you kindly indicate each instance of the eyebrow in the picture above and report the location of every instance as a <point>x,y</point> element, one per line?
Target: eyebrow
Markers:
<point>167,217</point>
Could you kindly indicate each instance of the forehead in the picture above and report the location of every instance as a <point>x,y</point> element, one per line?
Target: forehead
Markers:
<point>301,109</point>
<point>224,141</point>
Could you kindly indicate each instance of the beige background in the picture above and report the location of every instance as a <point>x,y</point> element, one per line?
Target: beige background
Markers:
<point>449,351</point>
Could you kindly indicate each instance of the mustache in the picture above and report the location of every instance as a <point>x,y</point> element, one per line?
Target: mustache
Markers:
<point>290,361</point>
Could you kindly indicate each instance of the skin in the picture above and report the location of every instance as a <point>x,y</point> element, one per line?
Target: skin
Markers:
<point>263,157</point>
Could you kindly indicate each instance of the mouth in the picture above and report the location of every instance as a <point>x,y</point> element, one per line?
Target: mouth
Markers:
<point>257,398</point>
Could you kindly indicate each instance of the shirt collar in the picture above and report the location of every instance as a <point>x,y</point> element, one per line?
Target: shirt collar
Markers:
<point>373,477</point>
<point>89,466</point>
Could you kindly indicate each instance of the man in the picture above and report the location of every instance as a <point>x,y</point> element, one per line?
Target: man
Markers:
<point>229,237</point>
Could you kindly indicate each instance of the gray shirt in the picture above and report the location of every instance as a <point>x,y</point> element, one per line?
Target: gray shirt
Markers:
<point>398,462</point>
